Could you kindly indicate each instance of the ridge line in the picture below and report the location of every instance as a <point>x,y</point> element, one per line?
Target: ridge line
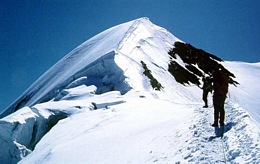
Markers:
<point>129,32</point>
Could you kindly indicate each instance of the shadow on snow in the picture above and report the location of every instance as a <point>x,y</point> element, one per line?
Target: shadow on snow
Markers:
<point>219,132</point>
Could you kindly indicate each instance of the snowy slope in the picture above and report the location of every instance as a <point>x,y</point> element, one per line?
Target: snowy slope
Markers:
<point>97,106</point>
<point>247,96</point>
<point>145,129</point>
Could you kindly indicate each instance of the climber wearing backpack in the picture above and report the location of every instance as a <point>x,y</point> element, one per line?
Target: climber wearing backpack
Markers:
<point>207,87</point>
<point>220,87</point>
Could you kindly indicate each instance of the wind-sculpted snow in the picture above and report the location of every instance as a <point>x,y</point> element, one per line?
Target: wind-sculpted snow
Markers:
<point>62,73</point>
<point>22,130</point>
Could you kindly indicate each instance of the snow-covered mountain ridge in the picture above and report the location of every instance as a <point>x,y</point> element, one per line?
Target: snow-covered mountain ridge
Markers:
<point>99,102</point>
<point>86,60</point>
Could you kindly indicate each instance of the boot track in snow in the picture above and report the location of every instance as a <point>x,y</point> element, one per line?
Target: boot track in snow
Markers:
<point>206,144</point>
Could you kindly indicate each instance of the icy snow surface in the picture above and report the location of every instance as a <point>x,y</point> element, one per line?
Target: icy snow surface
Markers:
<point>102,109</point>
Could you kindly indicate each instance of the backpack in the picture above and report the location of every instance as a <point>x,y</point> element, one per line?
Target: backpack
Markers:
<point>220,82</point>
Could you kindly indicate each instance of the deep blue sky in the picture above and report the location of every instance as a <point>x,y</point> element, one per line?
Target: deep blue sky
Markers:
<point>35,34</point>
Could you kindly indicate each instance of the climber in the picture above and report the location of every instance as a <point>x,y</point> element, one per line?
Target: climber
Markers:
<point>207,87</point>
<point>220,87</point>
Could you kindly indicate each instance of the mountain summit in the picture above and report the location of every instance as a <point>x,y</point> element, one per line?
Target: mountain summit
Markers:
<point>105,60</point>
<point>134,88</point>
<point>112,60</point>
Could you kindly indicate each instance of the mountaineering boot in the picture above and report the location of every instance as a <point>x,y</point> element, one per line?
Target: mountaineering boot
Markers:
<point>215,125</point>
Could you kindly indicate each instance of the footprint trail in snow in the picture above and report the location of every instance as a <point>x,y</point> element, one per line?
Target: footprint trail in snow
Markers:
<point>202,144</point>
